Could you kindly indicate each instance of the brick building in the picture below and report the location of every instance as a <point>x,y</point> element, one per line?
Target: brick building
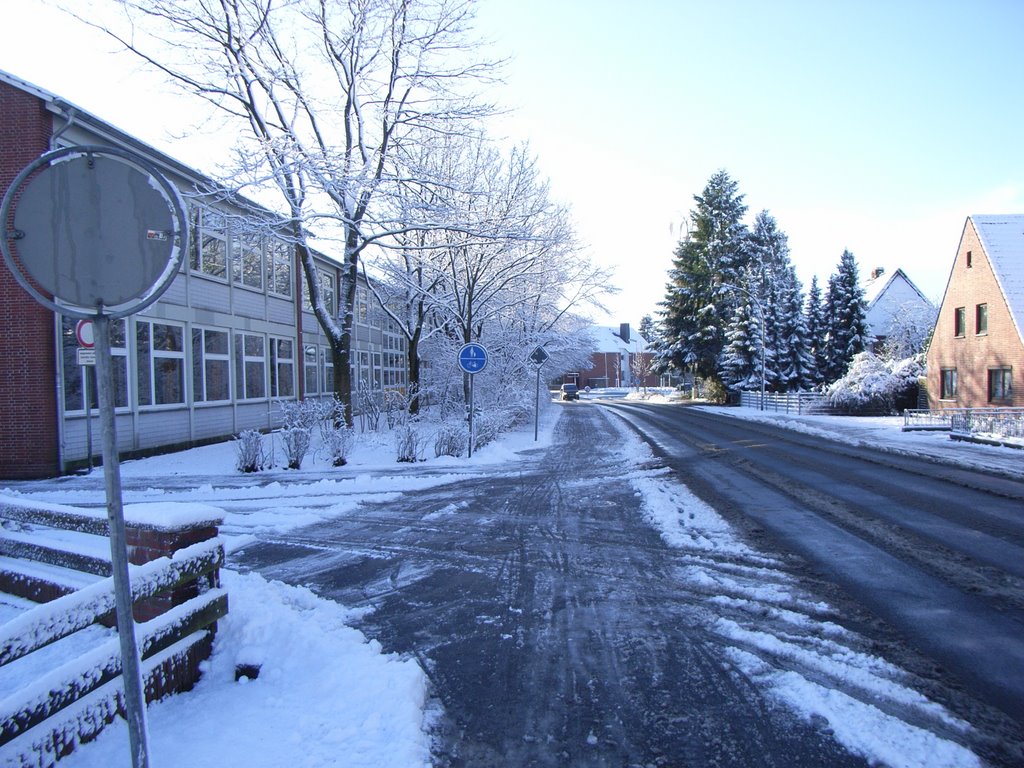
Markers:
<point>232,337</point>
<point>618,359</point>
<point>976,357</point>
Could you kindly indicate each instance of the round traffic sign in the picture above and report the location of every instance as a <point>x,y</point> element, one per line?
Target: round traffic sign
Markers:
<point>473,358</point>
<point>85,334</point>
<point>96,230</point>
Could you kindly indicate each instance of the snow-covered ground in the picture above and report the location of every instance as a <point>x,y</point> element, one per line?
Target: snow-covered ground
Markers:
<point>326,695</point>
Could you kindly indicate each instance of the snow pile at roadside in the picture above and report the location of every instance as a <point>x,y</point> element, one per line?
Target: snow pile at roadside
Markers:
<point>790,643</point>
<point>324,695</point>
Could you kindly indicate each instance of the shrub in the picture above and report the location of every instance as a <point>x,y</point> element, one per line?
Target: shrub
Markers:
<point>873,385</point>
<point>452,439</point>
<point>251,456</point>
<point>296,444</point>
<point>338,440</point>
<point>408,443</point>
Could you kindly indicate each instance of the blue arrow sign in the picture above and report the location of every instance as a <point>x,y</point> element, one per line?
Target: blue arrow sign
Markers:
<point>473,358</point>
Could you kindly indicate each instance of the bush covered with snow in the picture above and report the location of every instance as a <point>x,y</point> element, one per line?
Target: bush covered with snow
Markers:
<point>251,455</point>
<point>874,385</point>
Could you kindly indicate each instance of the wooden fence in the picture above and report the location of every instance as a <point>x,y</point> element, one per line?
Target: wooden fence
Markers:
<point>53,555</point>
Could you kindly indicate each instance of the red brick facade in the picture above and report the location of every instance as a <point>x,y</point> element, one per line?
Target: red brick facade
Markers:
<point>28,403</point>
<point>965,350</point>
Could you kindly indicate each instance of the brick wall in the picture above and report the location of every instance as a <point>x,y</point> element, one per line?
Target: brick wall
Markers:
<point>28,401</point>
<point>972,354</point>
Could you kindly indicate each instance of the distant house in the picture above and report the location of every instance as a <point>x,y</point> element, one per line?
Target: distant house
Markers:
<point>619,357</point>
<point>976,358</point>
<point>890,297</point>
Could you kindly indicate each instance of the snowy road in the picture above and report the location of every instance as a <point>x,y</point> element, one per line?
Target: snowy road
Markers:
<point>558,627</point>
<point>936,551</point>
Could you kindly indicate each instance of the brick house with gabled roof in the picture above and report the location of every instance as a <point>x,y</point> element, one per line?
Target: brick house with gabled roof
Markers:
<point>976,358</point>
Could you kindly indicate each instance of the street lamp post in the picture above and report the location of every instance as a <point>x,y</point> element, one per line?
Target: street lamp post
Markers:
<point>760,314</point>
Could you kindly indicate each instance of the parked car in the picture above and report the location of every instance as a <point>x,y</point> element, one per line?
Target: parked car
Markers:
<point>570,392</point>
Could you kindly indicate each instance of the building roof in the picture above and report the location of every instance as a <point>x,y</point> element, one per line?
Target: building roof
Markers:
<point>876,287</point>
<point>1002,237</point>
<point>607,339</point>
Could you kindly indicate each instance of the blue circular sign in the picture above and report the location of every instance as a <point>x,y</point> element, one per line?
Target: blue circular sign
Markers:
<point>473,358</point>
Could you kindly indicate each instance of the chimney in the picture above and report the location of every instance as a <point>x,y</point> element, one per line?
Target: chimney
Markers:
<point>877,272</point>
<point>624,332</point>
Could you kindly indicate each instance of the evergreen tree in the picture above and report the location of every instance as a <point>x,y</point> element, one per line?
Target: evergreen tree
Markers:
<point>814,320</point>
<point>696,306</point>
<point>741,357</point>
<point>845,316</point>
<point>795,363</point>
<point>647,329</point>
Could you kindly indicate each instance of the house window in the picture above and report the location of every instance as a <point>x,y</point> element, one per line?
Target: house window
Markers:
<point>160,363</point>
<point>279,266</point>
<point>247,259</point>
<point>74,391</point>
<point>312,378</point>
<point>981,319</point>
<point>960,321</point>
<point>211,366</point>
<point>250,366</point>
<point>282,368</point>
<point>209,243</point>
<point>948,384</point>
<point>1000,384</point>
<point>970,260</point>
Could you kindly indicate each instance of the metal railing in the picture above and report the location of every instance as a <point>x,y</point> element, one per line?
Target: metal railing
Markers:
<point>997,422</point>
<point>787,402</point>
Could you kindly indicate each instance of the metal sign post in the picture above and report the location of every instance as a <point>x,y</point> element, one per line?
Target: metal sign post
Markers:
<point>472,360</point>
<point>99,234</point>
<point>539,356</point>
<point>84,332</point>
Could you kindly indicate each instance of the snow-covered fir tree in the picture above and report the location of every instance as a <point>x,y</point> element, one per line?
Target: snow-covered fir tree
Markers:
<point>696,306</point>
<point>814,321</point>
<point>845,316</point>
<point>794,361</point>
<point>741,358</point>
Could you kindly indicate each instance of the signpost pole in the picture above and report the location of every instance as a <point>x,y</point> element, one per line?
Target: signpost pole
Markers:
<point>536,408</point>
<point>88,414</point>
<point>131,675</point>
<point>471,378</point>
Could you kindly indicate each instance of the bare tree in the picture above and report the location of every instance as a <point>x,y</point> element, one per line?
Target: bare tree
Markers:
<point>328,91</point>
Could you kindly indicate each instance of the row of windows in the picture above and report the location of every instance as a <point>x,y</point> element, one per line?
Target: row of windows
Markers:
<point>980,320</point>
<point>1000,384</point>
<point>220,364</point>
<point>253,258</point>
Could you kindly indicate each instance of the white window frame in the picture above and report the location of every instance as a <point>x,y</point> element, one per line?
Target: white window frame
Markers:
<point>243,359</point>
<point>200,358</point>
<point>279,259</point>
<point>72,371</point>
<point>247,263</point>
<point>153,367</point>
<point>203,232</point>
<point>280,364</point>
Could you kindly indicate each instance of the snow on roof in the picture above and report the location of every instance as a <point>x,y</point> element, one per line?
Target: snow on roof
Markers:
<point>1002,237</point>
<point>607,339</point>
<point>877,286</point>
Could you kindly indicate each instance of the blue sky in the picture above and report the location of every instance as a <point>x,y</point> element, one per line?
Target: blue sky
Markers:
<point>873,126</point>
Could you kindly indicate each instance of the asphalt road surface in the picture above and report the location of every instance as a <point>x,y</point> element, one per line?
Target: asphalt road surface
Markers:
<point>556,629</point>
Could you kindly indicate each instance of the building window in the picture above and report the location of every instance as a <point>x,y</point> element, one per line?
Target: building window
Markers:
<point>209,243</point>
<point>1000,384</point>
<point>311,371</point>
<point>279,266</point>
<point>981,319</point>
<point>328,360</point>
<point>74,390</point>
<point>250,366</point>
<point>970,260</point>
<point>211,366</point>
<point>948,384</point>
<point>960,321</point>
<point>160,363</point>
<point>326,281</point>
<point>282,368</point>
<point>247,259</point>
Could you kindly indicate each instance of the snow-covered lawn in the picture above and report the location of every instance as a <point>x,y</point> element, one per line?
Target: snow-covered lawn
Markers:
<point>326,695</point>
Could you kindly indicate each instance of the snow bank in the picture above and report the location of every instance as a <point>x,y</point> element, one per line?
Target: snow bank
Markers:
<point>324,695</point>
